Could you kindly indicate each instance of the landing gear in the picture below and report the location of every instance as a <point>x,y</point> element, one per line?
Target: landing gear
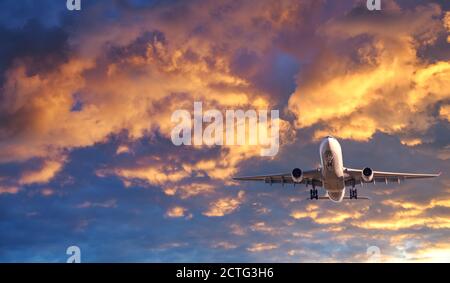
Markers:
<point>314,193</point>
<point>353,193</point>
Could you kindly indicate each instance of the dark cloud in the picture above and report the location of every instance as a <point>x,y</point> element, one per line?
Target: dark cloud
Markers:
<point>40,47</point>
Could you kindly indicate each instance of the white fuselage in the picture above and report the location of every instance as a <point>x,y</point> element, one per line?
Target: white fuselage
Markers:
<point>332,168</point>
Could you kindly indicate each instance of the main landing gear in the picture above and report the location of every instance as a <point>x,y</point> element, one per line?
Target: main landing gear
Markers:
<point>353,193</point>
<point>314,193</point>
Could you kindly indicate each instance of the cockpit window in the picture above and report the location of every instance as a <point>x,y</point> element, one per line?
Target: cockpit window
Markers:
<point>329,158</point>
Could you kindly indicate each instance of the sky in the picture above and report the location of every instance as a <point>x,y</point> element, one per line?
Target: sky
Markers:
<point>86,156</point>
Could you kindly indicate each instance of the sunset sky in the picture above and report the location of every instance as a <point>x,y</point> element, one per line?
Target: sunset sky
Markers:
<point>86,158</point>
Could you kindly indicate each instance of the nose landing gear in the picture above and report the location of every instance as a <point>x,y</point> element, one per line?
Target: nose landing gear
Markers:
<point>353,193</point>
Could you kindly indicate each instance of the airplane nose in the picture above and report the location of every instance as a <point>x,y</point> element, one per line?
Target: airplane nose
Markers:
<point>325,144</point>
<point>327,140</point>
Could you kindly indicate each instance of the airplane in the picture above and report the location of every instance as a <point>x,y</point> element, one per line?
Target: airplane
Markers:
<point>333,176</point>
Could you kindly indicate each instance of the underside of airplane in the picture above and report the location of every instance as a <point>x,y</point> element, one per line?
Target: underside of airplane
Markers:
<point>334,177</point>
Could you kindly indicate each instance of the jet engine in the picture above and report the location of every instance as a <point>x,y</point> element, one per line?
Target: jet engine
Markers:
<point>297,175</point>
<point>367,174</point>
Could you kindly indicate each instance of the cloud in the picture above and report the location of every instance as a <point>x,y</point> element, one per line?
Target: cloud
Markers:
<point>433,253</point>
<point>155,176</point>
<point>151,68</point>
<point>189,190</point>
<point>237,230</point>
<point>131,87</point>
<point>41,48</point>
<point>329,216</point>
<point>9,190</point>
<point>112,203</point>
<point>379,85</point>
<point>224,206</point>
<point>103,94</point>
<point>178,211</point>
<point>444,112</point>
<point>47,192</point>
<point>44,174</point>
<point>122,149</point>
<point>260,247</point>
<point>410,215</point>
<point>224,245</point>
<point>31,105</point>
<point>447,24</point>
<point>265,228</point>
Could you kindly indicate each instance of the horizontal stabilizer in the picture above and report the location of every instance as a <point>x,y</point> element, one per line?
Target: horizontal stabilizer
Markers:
<point>348,198</point>
<point>365,198</point>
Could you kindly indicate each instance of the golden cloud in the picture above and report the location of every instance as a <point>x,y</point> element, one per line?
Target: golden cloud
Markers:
<point>9,190</point>
<point>238,230</point>
<point>328,216</point>
<point>387,87</point>
<point>154,176</point>
<point>264,228</point>
<point>36,109</point>
<point>137,91</point>
<point>47,192</point>
<point>178,211</point>
<point>447,24</point>
<point>44,174</point>
<point>424,253</point>
<point>444,111</point>
<point>438,252</point>
<point>189,190</point>
<point>223,206</point>
<point>123,149</point>
<point>260,247</point>
<point>409,215</point>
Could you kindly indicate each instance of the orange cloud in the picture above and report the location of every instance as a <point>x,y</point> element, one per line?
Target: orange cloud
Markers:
<point>424,253</point>
<point>155,176</point>
<point>264,228</point>
<point>444,112</point>
<point>44,174</point>
<point>36,109</point>
<point>260,247</point>
<point>177,212</point>
<point>136,92</point>
<point>47,192</point>
<point>409,215</point>
<point>9,190</point>
<point>224,206</point>
<point>387,87</point>
<point>238,230</point>
<point>447,24</point>
<point>189,190</point>
<point>122,149</point>
<point>439,253</point>
<point>328,216</point>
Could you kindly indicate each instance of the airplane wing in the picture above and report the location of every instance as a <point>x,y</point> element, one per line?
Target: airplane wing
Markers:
<point>354,175</point>
<point>309,177</point>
